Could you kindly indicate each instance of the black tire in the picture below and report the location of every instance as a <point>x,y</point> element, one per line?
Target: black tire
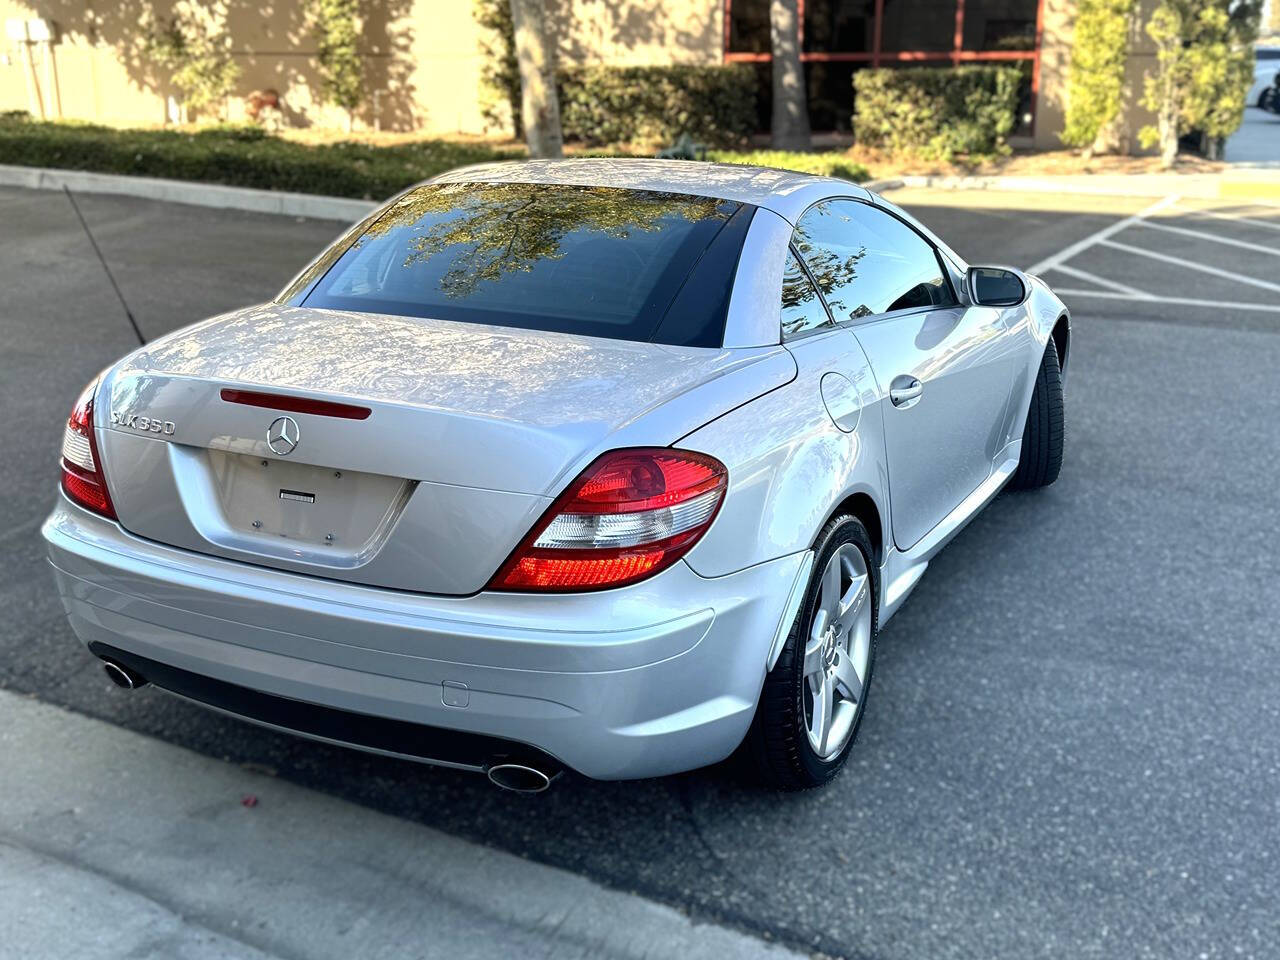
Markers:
<point>1043,436</point>
<point>777,748</point>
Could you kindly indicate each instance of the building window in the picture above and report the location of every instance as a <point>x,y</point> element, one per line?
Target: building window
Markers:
<point>748,26</point>
<point>839,26</point>
<point>1000,25</point>
<point>918,26</point>
<point>837,37</point>
<point>830,84</point>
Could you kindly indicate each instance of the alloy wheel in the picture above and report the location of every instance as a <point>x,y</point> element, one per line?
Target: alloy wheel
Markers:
<point>837,652</point>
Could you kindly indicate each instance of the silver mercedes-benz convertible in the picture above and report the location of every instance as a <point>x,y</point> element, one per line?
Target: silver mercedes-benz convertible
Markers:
<point>609,465</point>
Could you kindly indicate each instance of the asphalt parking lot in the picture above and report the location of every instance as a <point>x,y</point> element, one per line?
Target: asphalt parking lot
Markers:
<point>1071,748</point>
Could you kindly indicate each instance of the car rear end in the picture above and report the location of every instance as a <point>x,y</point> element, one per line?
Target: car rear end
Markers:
<point>432,502</point>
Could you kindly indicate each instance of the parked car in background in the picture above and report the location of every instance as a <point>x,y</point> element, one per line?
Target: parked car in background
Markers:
<point>610,465</point>
<point>1265,67</point>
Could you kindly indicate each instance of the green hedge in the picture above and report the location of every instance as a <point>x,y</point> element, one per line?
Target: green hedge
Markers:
<point>715,105</point>
<point>936,112</point>
<point>245,156</point>
<point>236,156</point>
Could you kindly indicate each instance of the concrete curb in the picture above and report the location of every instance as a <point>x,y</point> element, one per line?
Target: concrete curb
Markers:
<point>880,186</point>
<point>114,844</point>
<point>1241,184</point>
<point>195,194</point>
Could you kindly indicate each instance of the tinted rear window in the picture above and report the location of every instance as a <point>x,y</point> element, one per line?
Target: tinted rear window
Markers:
<point>599,261</point>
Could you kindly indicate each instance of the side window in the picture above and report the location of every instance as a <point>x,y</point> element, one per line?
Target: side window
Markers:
<point>868,262</point>
<point>802,308</point>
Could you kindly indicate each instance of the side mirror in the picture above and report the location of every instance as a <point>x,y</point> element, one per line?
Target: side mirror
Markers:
<point>996,286</point>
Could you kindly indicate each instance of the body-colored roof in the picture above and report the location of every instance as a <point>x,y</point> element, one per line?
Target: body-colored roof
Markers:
<point>784,192</point>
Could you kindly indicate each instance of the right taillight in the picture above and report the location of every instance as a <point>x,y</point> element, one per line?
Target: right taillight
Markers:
<point>630,514</point>
<point>82,478</point>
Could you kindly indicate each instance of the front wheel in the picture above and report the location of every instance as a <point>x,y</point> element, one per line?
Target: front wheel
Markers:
<point>1045,432</point>
<point>814,697</point>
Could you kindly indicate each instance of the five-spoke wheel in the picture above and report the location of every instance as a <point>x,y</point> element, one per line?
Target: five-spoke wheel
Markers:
<point>838,652</point>
<point>813,698</point>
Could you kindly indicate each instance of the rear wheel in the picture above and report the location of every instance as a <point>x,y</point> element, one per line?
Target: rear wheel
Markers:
<point>1043,436</point>
<point>814,697</point>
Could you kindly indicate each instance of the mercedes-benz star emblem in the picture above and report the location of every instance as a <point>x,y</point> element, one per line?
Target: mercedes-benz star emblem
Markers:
<point>282,435</point>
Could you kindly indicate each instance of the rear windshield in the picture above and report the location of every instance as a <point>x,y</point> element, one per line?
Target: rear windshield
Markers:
<point>599,261</point>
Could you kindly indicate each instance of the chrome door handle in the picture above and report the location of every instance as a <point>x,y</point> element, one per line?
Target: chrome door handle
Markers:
<point>905,390</point>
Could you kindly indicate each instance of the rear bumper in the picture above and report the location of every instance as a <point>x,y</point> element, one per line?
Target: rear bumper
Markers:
<point>642,681</point>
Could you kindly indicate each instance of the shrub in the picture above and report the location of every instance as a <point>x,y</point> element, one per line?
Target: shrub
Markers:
<point>242,156</point>
<point>656,104</point>
<point>1095,81</point>
<point>936,112</point>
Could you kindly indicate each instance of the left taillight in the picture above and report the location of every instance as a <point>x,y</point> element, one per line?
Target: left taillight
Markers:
<point>630,514</point>
<point>82,477</point>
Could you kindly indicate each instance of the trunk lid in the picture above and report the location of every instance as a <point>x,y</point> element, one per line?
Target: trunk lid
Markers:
<point>471,431</point>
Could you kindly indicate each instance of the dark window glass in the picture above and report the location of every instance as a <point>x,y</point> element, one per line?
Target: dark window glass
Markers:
<point>1000,24</point>
<point>839,26</point>
<point>802,308</point>
<point>926,25</point>
<point>1025,118</point>
<point>749,26</point>
<point>598,261</point>
<point>867,262</point>
<point>831,94</point>
<point>762,73</point>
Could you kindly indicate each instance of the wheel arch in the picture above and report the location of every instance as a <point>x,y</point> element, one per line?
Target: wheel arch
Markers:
<point>1062,340</point>
<point>864,507</point>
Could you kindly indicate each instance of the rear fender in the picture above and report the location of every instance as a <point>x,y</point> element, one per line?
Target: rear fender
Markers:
<point>789,464</point>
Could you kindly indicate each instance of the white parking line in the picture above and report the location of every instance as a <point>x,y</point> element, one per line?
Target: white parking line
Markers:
<point>1212,238</point>
<point>1250,221</point>
<point>1102,281</point>
<point>1191,265</point>
<point>1178,301</point>
<point>1094,238</point>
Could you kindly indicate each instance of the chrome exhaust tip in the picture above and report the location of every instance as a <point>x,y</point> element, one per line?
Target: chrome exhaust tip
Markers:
<point>519,778</point>
<point>123,676</point>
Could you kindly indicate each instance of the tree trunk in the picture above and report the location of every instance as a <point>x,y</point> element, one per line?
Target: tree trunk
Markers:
<point>790,127</point>
<point>539,102</point>
<point>1167,121</point>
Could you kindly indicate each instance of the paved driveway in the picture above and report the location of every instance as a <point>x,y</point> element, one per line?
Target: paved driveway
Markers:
<point>1072,747</point>
<point>1257,142</point>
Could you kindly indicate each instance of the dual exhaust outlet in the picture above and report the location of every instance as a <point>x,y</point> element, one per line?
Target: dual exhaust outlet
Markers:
<point>516,777</point>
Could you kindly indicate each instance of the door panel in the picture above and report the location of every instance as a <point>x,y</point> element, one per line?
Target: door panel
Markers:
<point>947,375</point>
<point>945,370</point>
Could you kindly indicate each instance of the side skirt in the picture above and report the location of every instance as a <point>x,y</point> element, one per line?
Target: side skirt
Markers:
<point>902,569</point>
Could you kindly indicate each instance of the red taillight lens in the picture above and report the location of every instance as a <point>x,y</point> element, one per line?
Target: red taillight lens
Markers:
<point>629,515</point>
<point>82,478</point>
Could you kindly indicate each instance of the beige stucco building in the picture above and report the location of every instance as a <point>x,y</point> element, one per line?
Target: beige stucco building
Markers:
<point>84,59</point>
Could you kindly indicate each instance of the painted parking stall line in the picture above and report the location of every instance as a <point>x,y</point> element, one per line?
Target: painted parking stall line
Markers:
<point>1113,285</point>
<point>1175,301</point>
<point>1234,218</point>
<point>1137,239</point>
<point>1080,246</point>
<point>1192,265</point>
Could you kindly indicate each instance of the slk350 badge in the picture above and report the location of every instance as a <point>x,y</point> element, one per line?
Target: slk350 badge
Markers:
<point>136,421</point>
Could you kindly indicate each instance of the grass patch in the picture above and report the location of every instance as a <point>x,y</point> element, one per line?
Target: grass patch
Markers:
<point>823,164</point>
<point>245,156</point>
<point>238,156</point>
